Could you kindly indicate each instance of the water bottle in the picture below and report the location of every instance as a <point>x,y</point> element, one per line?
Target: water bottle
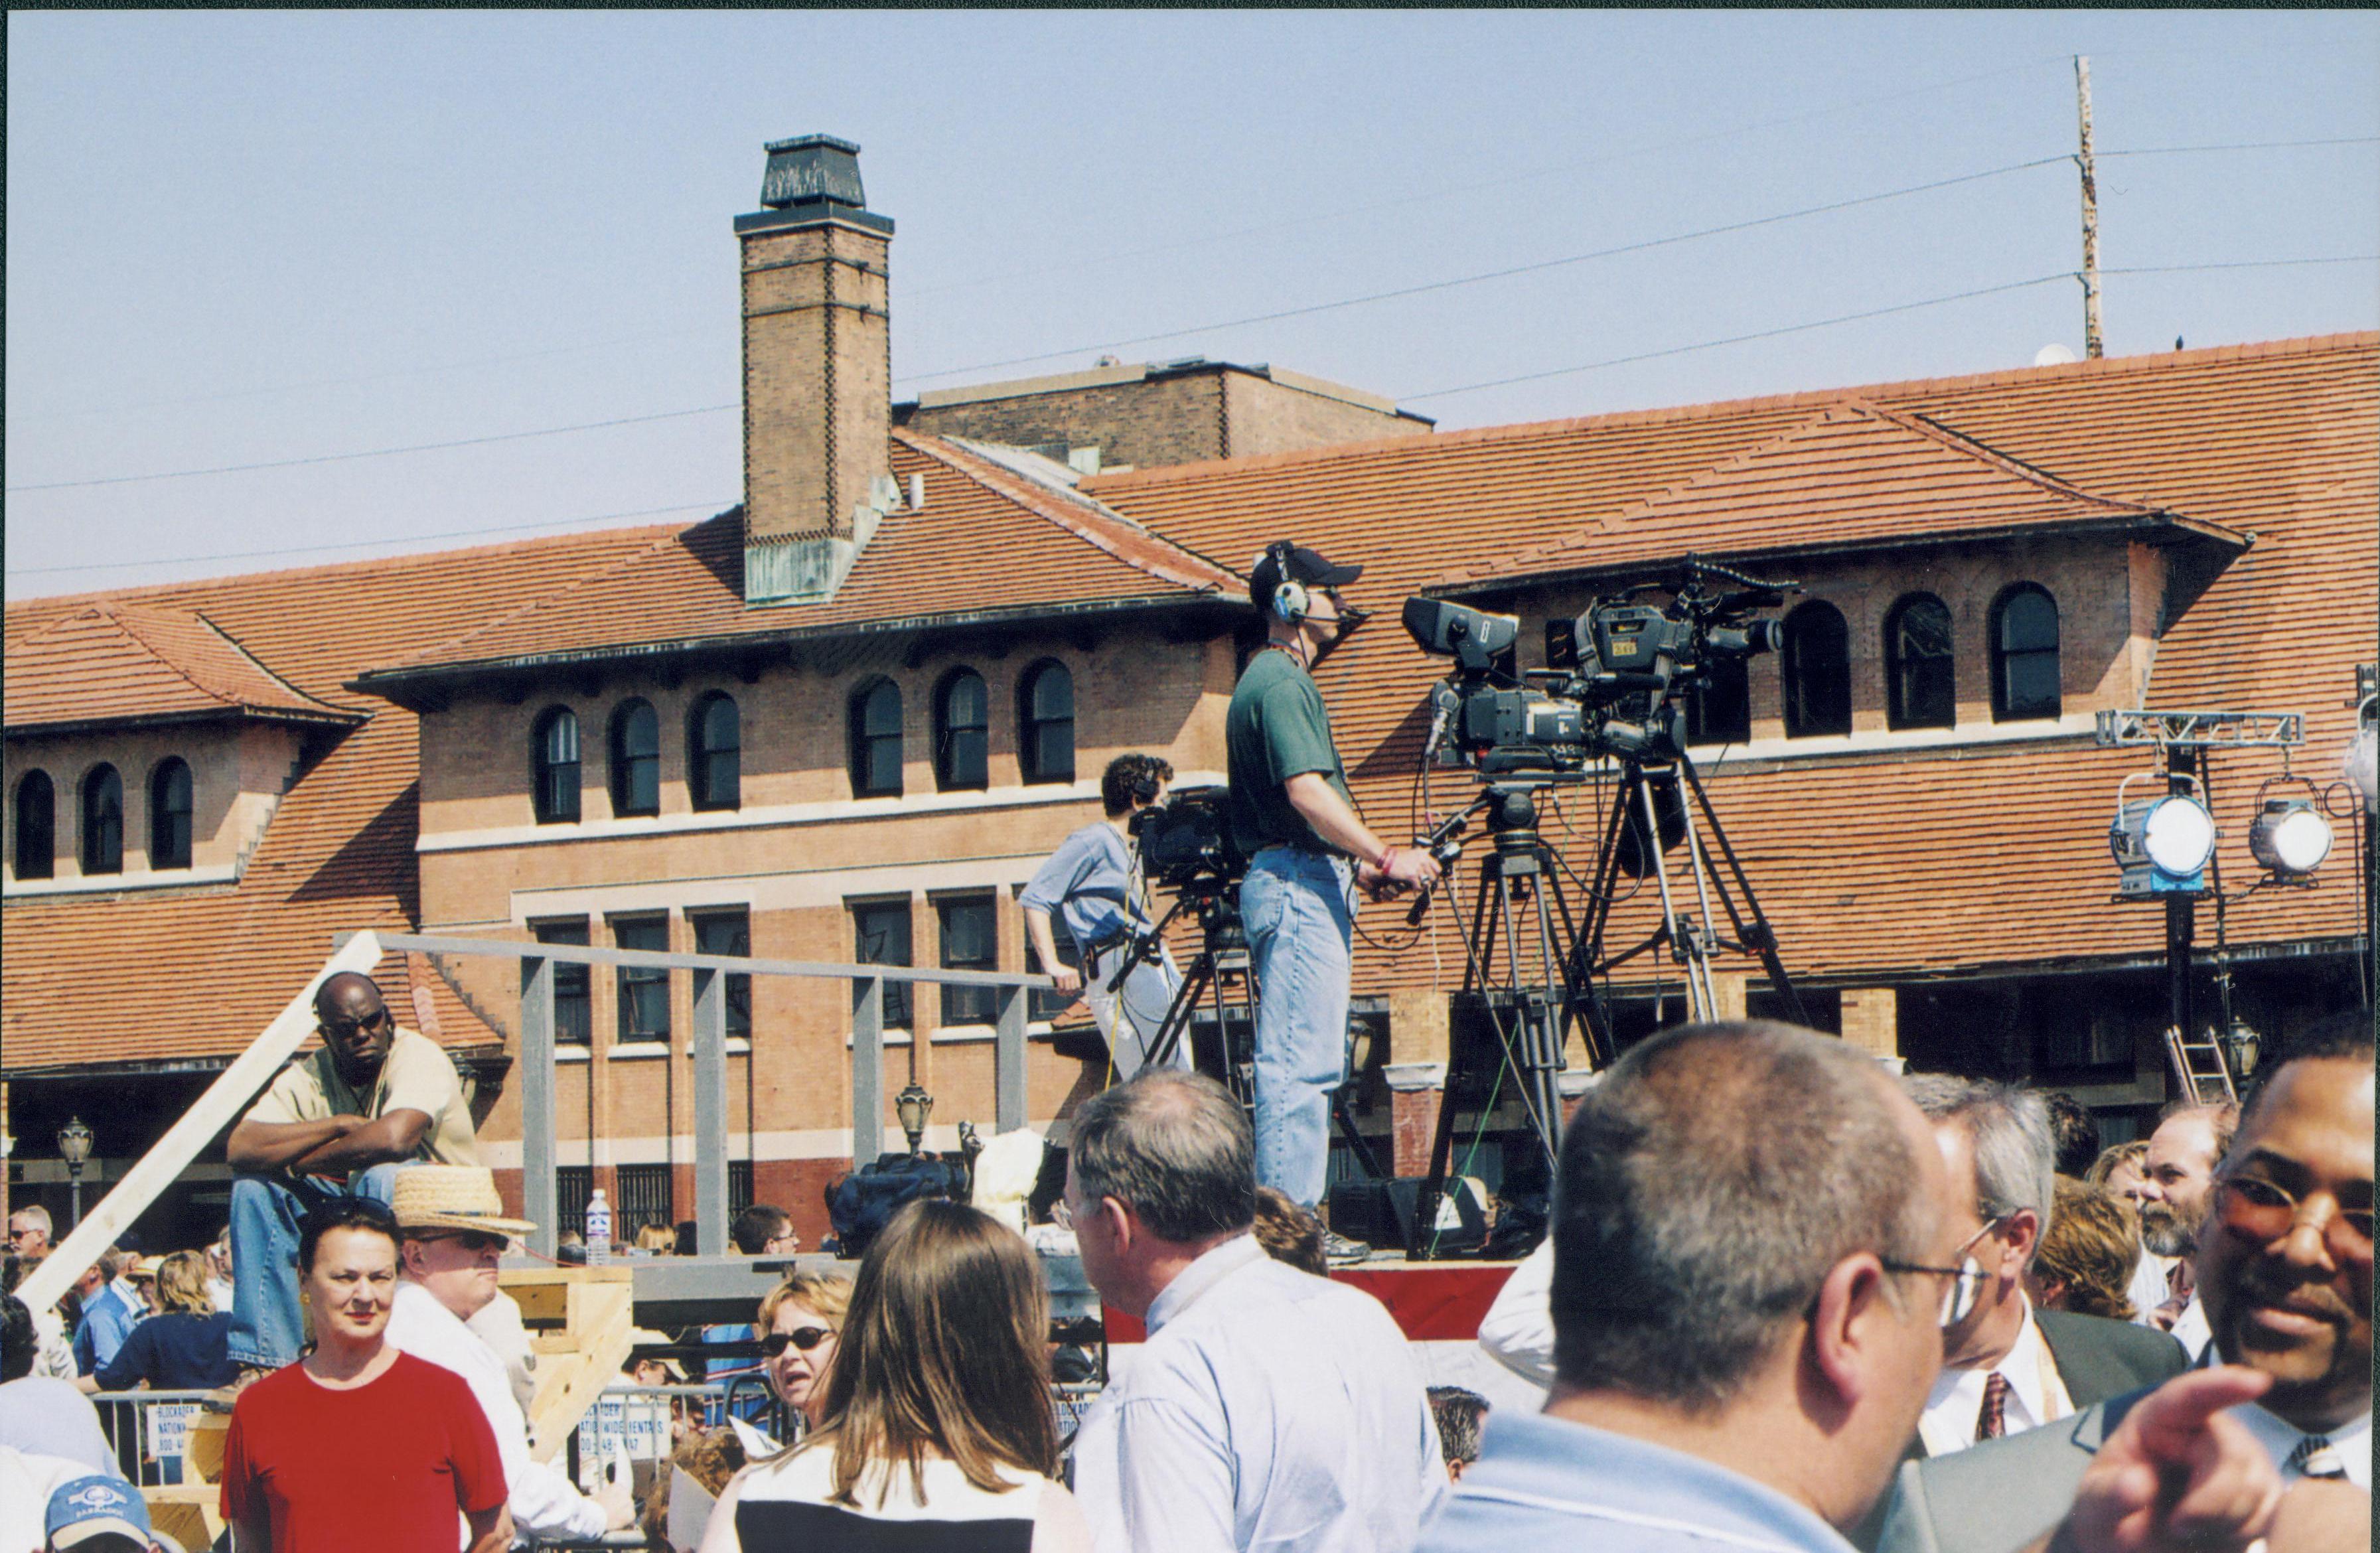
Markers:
<point>598,1229</point>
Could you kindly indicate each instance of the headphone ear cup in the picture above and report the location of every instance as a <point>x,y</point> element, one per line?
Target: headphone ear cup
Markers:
<point>1289,601</point>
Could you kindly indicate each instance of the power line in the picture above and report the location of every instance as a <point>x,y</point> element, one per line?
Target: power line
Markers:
<point>377,453</point>
<point>2245,264</point>
<point>1740,339</point>
<point>366,544</point>
<point>2246,145</point>
<point>1504,273</point>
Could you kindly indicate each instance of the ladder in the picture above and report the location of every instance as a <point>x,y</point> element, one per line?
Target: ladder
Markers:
<point>2206,1076</point>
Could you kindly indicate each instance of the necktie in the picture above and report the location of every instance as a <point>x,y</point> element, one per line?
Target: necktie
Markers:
<point>1992,1423</point>
<point>2315,1458</point>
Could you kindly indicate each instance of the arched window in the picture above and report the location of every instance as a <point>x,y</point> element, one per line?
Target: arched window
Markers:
<point>961,731</point>
<point>1046,714</point>
<point>37,825</point>
<point>169,814</point>
<point>1817,672</point>
<point>636,759</point>
<point>1920,689</point>
<point>714,766</point>
<point>876,753</point>
<point>553,766</point>
<point>2024,654</point>
<point>102,822</point>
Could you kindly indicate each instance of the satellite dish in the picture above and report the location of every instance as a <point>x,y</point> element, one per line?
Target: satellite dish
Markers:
<point>2052,356</point>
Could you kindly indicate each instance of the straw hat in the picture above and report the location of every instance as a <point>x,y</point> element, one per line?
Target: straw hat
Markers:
<point>145,1267</point>
<point>452,1197</point>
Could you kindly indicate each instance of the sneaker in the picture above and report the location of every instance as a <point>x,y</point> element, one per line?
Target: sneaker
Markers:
<point>222,1398</point>
<point>1337,1249</point>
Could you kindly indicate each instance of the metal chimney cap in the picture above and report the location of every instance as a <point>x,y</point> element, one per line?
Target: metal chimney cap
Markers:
<point>810,168</point>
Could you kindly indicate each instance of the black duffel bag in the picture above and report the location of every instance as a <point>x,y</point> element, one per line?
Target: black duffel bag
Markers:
<point>862,1203</point>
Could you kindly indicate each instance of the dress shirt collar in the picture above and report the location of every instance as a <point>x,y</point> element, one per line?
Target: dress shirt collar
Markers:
<point>2352,1440</point>
<point>1210,1269</point>
<point>2036,1392</point>
<point>1535,1461</point>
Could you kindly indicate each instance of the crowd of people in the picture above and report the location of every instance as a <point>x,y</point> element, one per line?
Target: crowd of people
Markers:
<point>1788,1302</point>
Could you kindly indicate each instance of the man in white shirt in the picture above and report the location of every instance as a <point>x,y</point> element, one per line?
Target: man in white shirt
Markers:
<point>2177,1189</point>
<point>2006,1367</point>
<point>455,1234</point>
<point>1268,1408</point>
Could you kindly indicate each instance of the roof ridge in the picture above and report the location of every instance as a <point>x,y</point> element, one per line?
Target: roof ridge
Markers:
<point>2144,361</point>
<point>1025,493</point>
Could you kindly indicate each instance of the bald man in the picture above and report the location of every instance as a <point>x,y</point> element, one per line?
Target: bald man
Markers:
<point>341,1119</point>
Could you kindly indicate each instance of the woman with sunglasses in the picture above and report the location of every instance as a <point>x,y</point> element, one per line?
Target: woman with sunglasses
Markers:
<point>799,1321</point>
<point>936,1409</point>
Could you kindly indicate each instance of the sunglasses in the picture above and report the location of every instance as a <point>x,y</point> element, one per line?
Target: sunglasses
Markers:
<point>803,1338</point>
<point>471,1240</point>
<point>372,1022</point>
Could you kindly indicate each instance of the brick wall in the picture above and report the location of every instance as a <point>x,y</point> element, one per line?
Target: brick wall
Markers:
<point>817,377</point>
<point>1266,416</point>
<point>238,774</point>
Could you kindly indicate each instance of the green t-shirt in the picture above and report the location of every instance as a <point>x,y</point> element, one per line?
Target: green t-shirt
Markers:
<point>1275,729</point>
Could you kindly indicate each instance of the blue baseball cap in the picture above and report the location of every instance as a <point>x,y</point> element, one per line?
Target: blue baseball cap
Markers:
<point>96,1506</point>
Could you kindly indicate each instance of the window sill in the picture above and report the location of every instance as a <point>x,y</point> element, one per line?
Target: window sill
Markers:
<point>958,1035</point>
<point>117,884</point>
<point>1866,742</point>
<point>637,1051</point>
<point>571,1052</point>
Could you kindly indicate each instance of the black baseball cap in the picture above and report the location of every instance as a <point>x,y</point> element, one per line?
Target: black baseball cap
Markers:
<point>1308,566</point>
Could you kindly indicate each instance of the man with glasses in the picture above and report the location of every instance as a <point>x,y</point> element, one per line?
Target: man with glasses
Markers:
<point>2006,1367</point>
<point>1309,851</point>
<point>1753,1234</point>
<point>453,1233</point>
<point>29,1233</point>
<point>2285,1268</point>
<point>374,1097</point>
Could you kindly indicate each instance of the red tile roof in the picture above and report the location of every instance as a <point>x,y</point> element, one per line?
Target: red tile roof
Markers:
<point>114,662</point>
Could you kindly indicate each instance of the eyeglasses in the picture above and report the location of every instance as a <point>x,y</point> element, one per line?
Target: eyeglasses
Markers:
<point>372,1022</point>
<point>2267,1211</point>
<point>803,1338</point>
<point>1061,1216</point>
<point>1967,1281</point>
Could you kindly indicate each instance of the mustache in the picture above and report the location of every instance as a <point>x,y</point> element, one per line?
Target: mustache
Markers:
<point>2315,1300</point>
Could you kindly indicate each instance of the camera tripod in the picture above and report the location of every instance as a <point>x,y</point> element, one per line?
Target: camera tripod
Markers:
<point>1534,996</point>
<point>1691,939</point>
<point>1224,977</point>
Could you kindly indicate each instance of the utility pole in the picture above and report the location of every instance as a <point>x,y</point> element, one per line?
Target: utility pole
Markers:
<point>2093,347</point>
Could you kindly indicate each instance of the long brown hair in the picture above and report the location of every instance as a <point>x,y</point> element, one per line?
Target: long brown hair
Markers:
<point>945,1349</point>
<point>182,1284</point>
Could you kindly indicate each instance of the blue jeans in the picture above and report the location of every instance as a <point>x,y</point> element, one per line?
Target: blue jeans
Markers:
<point>1299,909</point>
<point>266,1329</point>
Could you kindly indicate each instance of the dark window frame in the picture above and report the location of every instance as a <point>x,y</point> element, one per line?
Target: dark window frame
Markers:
<point>100,834</point>
<point>714,771</point>
<point>1719,707</point>
<point>574,988</point>
<point>556,766</point>
<point>867,744</point>
<point>2029,657</point>
<point>968,1005</point>
<point>22,810</point>
<point>172,826</point>
<point>873,946</point>
<point>641,989</point>
<point>1036,727</point>
<point>962,751</point>
<point>643,1194</point>
<point>1817,695</point>
<point>708,922</point>
<point>627,764</point>
<point>1921,687</point>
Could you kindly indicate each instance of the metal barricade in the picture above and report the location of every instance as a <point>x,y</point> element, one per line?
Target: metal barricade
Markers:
<point>145,1428</point>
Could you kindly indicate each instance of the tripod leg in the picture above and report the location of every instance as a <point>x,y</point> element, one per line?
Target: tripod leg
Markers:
<point>1176,1028</point>
<point>1755,935</point>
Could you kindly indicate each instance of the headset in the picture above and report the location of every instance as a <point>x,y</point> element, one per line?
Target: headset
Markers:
<point>1145,785</point>
<point>1289,601</point>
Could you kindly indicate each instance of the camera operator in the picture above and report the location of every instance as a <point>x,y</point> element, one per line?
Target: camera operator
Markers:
<point>1088,881</point>
<point>1292,813</point>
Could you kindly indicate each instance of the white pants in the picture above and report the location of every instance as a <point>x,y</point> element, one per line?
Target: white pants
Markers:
<point>1131,1017</point>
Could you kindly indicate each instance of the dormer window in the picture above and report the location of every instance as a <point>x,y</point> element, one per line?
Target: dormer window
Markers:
<point>169,814</point>
<point>2024,654</point>
<point>962,731</point>
<point>1920,689</point>
<point>876,740</point>
<point>1046,705</point>
<point>1817,671</point>
<point>716,752</point>
<point>636,759</point>
<point>37,825</point>
<point>553,760</point>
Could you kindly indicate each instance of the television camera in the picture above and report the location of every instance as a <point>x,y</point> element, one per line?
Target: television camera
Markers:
<point>1615,677</point>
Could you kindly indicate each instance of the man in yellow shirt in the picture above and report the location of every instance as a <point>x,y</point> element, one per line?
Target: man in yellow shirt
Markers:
<point>341,1119</point>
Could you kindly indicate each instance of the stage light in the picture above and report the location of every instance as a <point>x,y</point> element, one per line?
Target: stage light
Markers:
<point>2161,843</point>
<point>2289,837</point>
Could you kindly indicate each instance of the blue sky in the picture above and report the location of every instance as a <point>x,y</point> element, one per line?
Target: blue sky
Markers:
<point>245,237</point>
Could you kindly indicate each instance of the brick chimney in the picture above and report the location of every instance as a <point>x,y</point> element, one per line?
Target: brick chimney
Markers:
<point>818,374</point>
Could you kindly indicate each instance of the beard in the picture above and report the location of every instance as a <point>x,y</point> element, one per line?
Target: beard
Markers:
<point>2165,1231</point>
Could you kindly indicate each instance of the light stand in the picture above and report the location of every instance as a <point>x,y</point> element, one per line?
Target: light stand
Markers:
<point>74,1147</point>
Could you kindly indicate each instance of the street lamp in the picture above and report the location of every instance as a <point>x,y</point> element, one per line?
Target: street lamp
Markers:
<point>914,1105</point>
<point>74,1147</point>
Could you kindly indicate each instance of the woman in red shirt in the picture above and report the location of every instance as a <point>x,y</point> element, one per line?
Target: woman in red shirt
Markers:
<point>358,1447</point>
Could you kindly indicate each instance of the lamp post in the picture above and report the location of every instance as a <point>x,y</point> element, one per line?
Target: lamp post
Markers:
<point>914,1105</point>
<point>74,1147</point>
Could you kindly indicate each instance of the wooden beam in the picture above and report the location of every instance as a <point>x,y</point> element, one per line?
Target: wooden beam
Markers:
<point>166,1160</point>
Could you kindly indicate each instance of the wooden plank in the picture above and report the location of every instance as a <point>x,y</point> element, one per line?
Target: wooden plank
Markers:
<point>603,1324</point>
<point>163,1165</point>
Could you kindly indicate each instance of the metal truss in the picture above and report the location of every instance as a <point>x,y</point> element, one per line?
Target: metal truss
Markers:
<point>2201,730</point>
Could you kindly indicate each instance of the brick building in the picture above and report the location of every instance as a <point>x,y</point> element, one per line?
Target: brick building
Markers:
<point>844,720</point>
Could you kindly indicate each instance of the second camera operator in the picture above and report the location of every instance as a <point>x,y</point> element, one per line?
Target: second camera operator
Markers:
<point>1308,849</point>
